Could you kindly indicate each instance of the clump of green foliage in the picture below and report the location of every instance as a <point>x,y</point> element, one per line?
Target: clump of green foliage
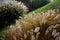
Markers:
<point>10,12</point>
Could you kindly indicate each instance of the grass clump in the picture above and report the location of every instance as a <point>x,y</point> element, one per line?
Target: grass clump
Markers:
<point>10,12</point>
<point>41,26</point>
<point>37,26</point>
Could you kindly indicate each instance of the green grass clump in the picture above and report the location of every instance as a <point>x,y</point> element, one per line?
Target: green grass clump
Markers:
<point>10,12</point>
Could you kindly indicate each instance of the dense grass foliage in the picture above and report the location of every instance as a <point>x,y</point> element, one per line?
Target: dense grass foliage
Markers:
<point>10,12</point>
<point>43,26</point>
<point>36,25</point>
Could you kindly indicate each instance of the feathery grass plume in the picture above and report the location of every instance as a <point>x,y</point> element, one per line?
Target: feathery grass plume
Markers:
<point>45,26</point>
<point>11,11</point>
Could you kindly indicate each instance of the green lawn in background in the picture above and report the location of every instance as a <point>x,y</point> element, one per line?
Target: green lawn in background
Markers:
<point>52,5</point>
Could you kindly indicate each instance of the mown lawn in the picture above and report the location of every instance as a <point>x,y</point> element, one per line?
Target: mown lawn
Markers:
<point>52,5</point>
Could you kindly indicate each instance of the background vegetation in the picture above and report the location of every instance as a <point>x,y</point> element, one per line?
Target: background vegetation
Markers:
<point>33,19</point>
<point>34,4</point>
